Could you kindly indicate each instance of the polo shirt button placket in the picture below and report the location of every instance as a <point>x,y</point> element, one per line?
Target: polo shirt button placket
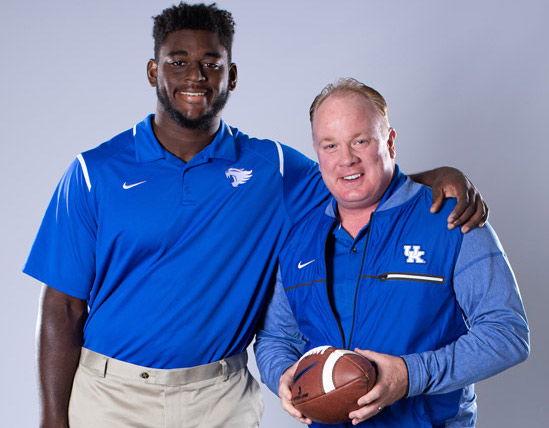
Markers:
<point>185,188</point>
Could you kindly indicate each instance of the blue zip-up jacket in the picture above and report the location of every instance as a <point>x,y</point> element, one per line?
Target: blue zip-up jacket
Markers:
<point>446,302</point>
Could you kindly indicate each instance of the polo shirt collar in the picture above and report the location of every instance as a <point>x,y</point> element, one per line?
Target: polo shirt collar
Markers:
<point>147,147</point>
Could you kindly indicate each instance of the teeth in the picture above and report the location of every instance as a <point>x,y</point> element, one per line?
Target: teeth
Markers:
<point>352,177</point>
<point>194,94</point>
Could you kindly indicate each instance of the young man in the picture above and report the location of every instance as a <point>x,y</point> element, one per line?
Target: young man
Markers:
<point>373,269</point>
<point>158,248</point>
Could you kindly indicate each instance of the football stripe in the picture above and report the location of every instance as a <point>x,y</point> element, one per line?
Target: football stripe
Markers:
<point>317,350</point>
<point>327,372</point>
<point>344,351</point>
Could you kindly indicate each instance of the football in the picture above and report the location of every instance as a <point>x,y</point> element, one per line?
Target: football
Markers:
<point>328,382</point>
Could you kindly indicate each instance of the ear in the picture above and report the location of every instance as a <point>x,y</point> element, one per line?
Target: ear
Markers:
<point>233,76</point>
<point>152,70</point>
<point>391,142</point>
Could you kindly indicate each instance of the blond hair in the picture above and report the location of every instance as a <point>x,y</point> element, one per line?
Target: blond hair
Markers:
<point>346,85</point>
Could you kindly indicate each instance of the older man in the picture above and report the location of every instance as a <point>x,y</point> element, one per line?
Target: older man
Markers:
<point>372,269</point>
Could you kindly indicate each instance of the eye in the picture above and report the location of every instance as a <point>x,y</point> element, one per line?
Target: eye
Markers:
<point>212,65</point>
<point>177,63</point>
<point>329,148</point>
<point>359,144</point>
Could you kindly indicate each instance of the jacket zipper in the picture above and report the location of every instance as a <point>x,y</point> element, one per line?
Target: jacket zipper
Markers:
<point>327,285</point>
<point>368,230</point>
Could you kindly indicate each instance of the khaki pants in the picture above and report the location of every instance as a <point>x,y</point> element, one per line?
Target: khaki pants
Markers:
<point>111,393</point>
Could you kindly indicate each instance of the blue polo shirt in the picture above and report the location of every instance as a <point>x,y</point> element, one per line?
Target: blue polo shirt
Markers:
<point>174,259</point>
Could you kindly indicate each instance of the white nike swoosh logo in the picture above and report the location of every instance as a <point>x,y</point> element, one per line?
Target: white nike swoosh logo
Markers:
<point>301,266</point>
<point>129,186</point>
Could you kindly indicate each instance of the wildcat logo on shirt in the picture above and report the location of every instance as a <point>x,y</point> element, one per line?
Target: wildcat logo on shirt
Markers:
<point>238,176</point>
<point>413,254</point>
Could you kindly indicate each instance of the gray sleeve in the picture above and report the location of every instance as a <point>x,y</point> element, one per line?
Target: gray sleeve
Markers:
<point>498,334</point>
<point>279,343</point>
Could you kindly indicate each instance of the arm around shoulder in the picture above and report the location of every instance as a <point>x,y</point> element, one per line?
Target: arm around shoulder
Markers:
<point>447,182</point>
<point>59,340</point>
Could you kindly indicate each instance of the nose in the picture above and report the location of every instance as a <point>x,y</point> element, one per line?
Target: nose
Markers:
<point>195,73</point>
<point>347,156</point>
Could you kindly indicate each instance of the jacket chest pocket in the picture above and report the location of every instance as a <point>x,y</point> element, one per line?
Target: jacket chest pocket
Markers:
<point>414,277</point>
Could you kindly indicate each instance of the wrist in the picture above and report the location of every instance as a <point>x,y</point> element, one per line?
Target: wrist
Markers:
<point>407,377</point>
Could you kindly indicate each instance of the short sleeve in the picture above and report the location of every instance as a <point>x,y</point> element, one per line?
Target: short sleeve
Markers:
<point>63,253</point>
<point>304,189</point>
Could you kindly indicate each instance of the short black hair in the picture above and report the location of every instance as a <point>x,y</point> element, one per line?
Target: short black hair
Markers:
<point>194,17</point>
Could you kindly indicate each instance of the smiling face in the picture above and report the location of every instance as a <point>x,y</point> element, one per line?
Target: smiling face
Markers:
<point>193,76</point>
<point>355,149</point>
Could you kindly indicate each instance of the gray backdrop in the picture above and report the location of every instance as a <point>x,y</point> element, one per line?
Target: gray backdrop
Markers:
<point>466,83</point>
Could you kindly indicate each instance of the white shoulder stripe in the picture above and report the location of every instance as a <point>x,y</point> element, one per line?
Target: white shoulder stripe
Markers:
<point>280,157</point>
<point>84,170</point>
<point>134,129</point>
